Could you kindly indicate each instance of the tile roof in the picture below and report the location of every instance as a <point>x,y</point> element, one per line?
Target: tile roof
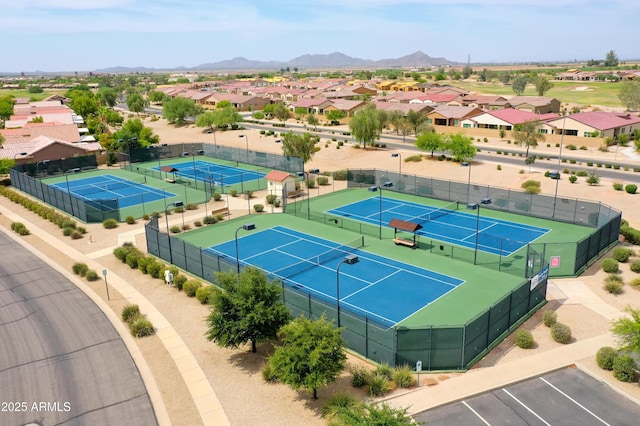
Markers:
<point>603,120</point>
<point>516,116</point>
<point>277,175</point>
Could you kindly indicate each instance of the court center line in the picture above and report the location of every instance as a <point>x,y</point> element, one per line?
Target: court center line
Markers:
<point>476,413</point>
<point>575,402</point>
<point>527,408</point>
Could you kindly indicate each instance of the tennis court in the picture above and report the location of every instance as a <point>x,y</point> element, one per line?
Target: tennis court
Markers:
<point>217,174</point>
<point>447,223</point>
<point>383,289</point>
<point>128,192</point>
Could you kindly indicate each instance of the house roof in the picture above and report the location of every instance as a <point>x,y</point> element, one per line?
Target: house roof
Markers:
<point>516,116</point>
<point>346,105</point>
<point>603,120</point>
<point>31,147</point>
<point>454,111</point>
<point>59,131</point>
<point>277,176</point>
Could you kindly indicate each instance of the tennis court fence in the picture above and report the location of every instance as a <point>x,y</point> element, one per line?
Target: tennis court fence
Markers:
<point>450,347</point>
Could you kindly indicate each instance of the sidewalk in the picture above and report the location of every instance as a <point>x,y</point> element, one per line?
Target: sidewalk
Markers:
<point>206,401</point>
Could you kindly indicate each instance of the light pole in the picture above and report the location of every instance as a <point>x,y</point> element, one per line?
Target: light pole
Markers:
<point>166,218</point>
<point>66,177</point>
<point>193,157</point>
<point>468,164</point>
<point>394,155</point>
<point>307,178</point>
<point>374,189</point>
<point>246,137</point>
<point>44,163</point>
<point>246,227</point>
<point>349,259</point>
<point>555,195</point>
<point>476,206</point>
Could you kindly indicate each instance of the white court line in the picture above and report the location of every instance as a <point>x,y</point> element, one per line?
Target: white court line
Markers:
<point>574,401</point>
<point>527,408</point>
<point>476,413</point>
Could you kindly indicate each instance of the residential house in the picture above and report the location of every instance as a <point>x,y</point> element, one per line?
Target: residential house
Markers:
<point>452,116</point>
<point>536,104</point>
<point>506,119</point>
<point>349,107</point>
<point>310,105</point>
<point>485,102</point>
<point>606,124</point>
<point>404,108</point>
<point>46,148</point>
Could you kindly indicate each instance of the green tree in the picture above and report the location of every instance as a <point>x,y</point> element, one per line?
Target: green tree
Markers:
<point>136,103</point>
<point>416,119</point>
<point>467,71</point>
<point>311,356</point>
<point>6,108</point>
<point>630,94</point>
<point>223,104</point>
<point>611,59</point>
<point>84,105</point>
<point>108,96</point>
<point>461,147</point>
<point>429,141</point>
<point>627,329</point>
<point>246,308</point>
<point>484,75</point>
<point>177,109</point>
<point>519,84</point>
<point>312,120</point>
<point>528,134</point>
<point>301,146</point>
<point>281,112</point>
<point>335,115</point>
<point>134,134</point>
<point>365,125</point>
<point>543,85</point>
<point>157,97</point>
<point>395,117</point>
<point>35,89</point>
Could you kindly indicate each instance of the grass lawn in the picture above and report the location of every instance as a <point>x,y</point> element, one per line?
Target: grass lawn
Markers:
<point>600,93</point>
<point>32,96</point>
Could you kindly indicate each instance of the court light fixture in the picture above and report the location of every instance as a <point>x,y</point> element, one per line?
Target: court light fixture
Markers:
<point>246,227</point>
<point>350,259</point>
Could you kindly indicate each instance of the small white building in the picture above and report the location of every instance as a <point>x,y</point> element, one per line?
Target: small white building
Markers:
<point>278,183</point>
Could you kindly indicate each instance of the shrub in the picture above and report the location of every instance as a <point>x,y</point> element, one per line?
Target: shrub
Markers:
<point>209,220</point>
<point>80,269</point>
<point>323,180</point>
<point>385,370</point>
<point>67,231</point>
<point>635,266</point>
<point>110,224</point>
<point>621,254</point>
<point>186,227</point>
<point>259,208</point>
<point>605,357</point>
<point>190,287</point>
<point>524,339</point>
<point>531,186</point>
<point>631,188</point>
<point>133,257</point>
<point>561,333</point>
<point>618,186</point>
<point>219,217</point>
<point>141,327</point>
<point>573,179</point>
<point>379,385</point>
<point>233,193</point>
<point>610,265</point>
<point>203,293</point>
<point>340,175</point>
<point>359,375</point>
<point>270,198</point>
<point>635,283</point>
<point>178,281</point>
<point>175,229</point>
<point>130,220</point>
<point>339,403</point>
<point>91,275</point>
<point>613,284</point>
<point>549,318</point>
<point>249,194</point>
<point>129,312</point>
<point>154,269</point>
<point>403,376</point>
<point>499,167</point>
<point>217,196</point>
<point>624,368</point>
<point>269,373</point>
<point>191,206</point>
<point>197,224</point>
<point>571,147</point>
<point>75,235</point>
<point>19,228</point>
<point>413,158</point>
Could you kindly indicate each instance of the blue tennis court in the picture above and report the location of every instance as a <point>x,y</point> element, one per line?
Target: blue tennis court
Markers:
<point>383,289</point>
<point>128,192</point>
<point>447,224</point>
<point>217,174</point>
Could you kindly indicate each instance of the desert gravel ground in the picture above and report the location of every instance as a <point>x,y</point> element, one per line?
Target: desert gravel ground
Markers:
<point>235,375</point>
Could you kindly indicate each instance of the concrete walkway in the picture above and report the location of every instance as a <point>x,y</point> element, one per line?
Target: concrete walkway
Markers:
<point>205,399</point>
<point>474,382</point>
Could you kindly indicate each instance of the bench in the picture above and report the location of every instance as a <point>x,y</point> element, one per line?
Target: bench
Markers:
<point>405,242</point>
<point>295,194</point>
<point>223,211</point>
<point>170,180</point>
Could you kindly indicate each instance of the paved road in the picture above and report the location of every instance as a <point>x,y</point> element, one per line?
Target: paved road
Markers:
<point>61,360</point>
<point>567,397</point>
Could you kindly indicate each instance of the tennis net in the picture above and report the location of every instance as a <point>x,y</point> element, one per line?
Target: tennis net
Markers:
<point>312,262</point>
<point>98,187</point>
<point>435,214</point>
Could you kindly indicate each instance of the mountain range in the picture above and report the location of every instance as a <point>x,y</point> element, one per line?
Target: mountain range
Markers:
<point>334,60</point>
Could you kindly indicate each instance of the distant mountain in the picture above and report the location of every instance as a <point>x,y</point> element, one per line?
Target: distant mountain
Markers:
<point>316,61</point>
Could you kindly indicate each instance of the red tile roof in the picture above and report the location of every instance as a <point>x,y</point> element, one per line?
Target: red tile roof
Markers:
<point>277,175</point>
<point>603,120</point>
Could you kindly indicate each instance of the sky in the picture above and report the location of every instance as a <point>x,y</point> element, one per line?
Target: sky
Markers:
<point>86,35</point>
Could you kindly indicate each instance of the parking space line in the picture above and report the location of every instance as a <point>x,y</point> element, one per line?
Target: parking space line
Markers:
<point>574,401</point>
<point>527,408</point>
<point>476,413</point>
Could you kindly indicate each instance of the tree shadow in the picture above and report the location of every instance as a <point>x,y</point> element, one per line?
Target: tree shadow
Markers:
<point>249,362</point>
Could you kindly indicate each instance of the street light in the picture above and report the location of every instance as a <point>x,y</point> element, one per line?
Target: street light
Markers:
<point>246,227</point>
<point>66,177</point>
<point>468,164</point>
<point>43,162</point>
<point>555,195</point>
<point>247,139</point>
<point>398,155</point>
<point>166,218</point>
<point>476,206</point>
<point>349,259</point>
<point>374,189</point>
